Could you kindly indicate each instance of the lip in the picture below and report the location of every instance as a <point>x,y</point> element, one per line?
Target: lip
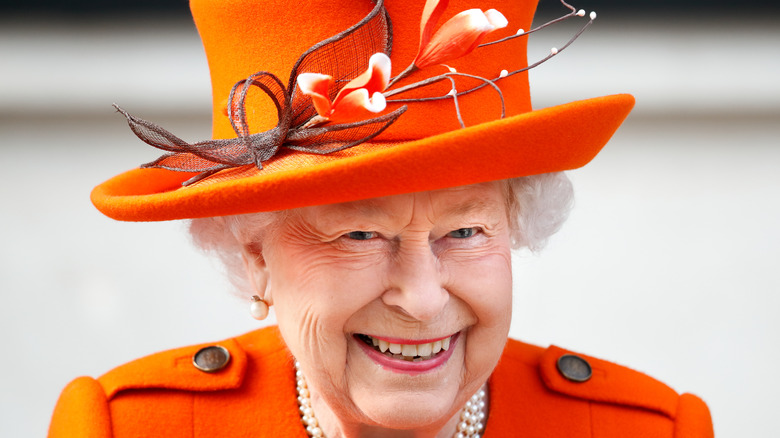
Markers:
<point>405,366</point>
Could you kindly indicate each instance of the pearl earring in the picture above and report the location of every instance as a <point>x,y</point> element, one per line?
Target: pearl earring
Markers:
<point>258,308</point>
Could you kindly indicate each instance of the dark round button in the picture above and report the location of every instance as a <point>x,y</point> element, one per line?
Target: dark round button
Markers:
<point>574,368</point>
<point>211,359</point>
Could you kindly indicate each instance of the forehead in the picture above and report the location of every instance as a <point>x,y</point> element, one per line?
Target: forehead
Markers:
<point>485,198</point>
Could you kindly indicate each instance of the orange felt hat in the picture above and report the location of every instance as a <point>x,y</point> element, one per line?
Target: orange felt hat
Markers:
<point>281,144</point>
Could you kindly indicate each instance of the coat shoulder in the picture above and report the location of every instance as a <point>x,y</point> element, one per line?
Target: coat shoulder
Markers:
<point>82,411</point>
<point>161,384</point>
<point>618,398</point>
<point>201,367</point>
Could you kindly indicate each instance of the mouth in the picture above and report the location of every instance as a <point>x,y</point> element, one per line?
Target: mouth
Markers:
<point>410,351</point>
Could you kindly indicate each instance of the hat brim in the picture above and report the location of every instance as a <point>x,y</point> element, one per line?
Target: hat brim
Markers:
<point>558,138</point>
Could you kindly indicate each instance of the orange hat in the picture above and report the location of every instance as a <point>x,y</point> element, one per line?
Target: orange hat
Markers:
<point>320,124</point>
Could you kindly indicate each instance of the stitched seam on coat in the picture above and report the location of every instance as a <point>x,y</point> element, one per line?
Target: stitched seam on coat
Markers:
<point>192,415</point>
<point>590,419</point>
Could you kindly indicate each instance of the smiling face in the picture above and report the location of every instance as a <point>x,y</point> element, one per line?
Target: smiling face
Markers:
<point>411,272</point>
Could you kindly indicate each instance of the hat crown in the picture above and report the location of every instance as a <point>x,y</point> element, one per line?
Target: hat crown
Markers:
<point>242,37</point>
<point>267,164</point>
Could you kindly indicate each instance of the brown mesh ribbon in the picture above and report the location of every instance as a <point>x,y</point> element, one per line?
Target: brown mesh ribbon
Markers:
<point>343,56</point>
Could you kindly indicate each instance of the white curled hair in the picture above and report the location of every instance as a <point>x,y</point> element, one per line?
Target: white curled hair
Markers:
<point>537,206</point>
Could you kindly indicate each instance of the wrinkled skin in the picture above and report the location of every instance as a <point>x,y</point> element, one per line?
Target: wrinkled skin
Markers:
<point>413,266</point>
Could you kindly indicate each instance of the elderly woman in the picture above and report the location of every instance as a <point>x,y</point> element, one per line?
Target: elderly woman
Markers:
<point>375,209</point>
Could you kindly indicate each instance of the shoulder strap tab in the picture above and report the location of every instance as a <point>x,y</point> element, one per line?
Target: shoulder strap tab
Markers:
<point>609,383</point>
<point>175,369</point>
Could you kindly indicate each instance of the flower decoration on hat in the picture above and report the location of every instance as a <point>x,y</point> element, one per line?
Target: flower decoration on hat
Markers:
<point>356,100</point>
<point>318,116</point>
<point>457,37</point>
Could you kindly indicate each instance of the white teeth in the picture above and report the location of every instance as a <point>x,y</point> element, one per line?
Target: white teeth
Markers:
<point>409,351</point>
<point>424,349</point>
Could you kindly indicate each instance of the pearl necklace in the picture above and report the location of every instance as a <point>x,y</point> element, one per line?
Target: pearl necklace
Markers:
<point>472,416</point>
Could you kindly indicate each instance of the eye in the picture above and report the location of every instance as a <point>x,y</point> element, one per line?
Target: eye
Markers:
<point>360,235</point>
<point>463,233</point>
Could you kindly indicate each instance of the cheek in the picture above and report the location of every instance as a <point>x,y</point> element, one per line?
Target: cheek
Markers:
<point>315,293</point>
<point>484,283</point>
<point>315,296</point>
<point>485,288</point>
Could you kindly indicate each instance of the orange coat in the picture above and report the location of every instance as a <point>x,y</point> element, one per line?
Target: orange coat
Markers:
<point>164,395</point>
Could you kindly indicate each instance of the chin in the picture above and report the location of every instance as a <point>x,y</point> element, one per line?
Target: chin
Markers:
<point>403,401</point>
<point>403,411</point>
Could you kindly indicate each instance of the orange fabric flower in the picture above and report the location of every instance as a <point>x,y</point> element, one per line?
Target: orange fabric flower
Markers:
<point>361,96</point>
<point>455,38</point>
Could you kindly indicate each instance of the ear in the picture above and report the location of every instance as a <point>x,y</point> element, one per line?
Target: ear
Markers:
<point>257,274</point>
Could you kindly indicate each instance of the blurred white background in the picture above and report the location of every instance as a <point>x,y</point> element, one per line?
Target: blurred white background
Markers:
<point>668,263</point>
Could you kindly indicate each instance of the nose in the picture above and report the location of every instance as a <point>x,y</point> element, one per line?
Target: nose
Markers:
<point>416,283</point>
